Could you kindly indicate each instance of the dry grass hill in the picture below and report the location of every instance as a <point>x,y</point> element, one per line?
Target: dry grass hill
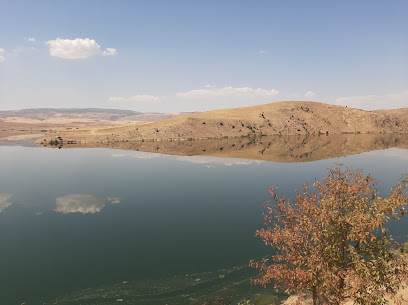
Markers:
<point>30,124</point>
<point>282,118</point>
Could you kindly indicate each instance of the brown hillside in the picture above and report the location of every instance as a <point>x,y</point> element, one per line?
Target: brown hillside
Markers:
<point>401,113</point>
<point>283,118</point>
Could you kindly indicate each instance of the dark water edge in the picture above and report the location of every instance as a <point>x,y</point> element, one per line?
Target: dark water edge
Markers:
<point>225,286</point>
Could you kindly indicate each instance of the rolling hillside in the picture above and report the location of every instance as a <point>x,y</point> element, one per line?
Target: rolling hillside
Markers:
<point>30,124</point>
<point>282,118</point>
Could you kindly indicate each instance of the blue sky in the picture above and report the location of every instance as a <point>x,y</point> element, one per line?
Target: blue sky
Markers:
<point>168,56</point>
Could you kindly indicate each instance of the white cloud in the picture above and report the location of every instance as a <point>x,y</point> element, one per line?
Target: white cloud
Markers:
<point>76,203</point>
<point>310,94</point>
<point>30,39</point>
<point>262,52</point>
<point>17,51</point>
<point>2,58</point>
<point>4,201</point>
<point>77,48</point>
<point>228,92</point>
<point>372,102</point>
<point>136,98</point>
<point>110,52</point>
<point>209,86</point>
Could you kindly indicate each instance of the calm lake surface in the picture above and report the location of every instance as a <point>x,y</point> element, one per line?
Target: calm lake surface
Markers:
<point>97,225</point>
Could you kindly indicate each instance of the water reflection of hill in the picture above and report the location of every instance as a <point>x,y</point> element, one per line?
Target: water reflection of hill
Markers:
<point>276,148</point>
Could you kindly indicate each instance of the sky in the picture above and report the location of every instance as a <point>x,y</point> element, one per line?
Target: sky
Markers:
<point>171,56</point>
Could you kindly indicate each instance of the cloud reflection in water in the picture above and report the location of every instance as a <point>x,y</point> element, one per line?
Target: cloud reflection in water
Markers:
<point>4,201</point>
<point>136,155</point>
<point>77,203</point>
<point>217,160</point>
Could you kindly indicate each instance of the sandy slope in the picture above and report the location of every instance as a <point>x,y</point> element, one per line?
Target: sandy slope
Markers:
<point>282,118</point>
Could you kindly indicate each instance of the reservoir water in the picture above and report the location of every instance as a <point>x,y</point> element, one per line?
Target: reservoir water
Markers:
<point>102,225</point>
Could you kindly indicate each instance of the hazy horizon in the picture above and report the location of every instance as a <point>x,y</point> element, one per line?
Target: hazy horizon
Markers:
<point>192,111</point>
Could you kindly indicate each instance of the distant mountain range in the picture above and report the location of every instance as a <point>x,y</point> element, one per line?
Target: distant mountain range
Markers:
<point>68,110</point>
<point>80,116</point>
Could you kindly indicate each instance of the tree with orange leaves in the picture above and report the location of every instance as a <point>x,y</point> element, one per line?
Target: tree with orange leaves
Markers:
<point>332,241</point>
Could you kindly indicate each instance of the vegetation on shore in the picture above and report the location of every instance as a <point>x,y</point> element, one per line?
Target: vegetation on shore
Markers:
<point>332,241</point>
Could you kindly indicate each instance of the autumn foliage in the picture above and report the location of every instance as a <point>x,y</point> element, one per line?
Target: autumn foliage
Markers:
<point>331,240</point>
